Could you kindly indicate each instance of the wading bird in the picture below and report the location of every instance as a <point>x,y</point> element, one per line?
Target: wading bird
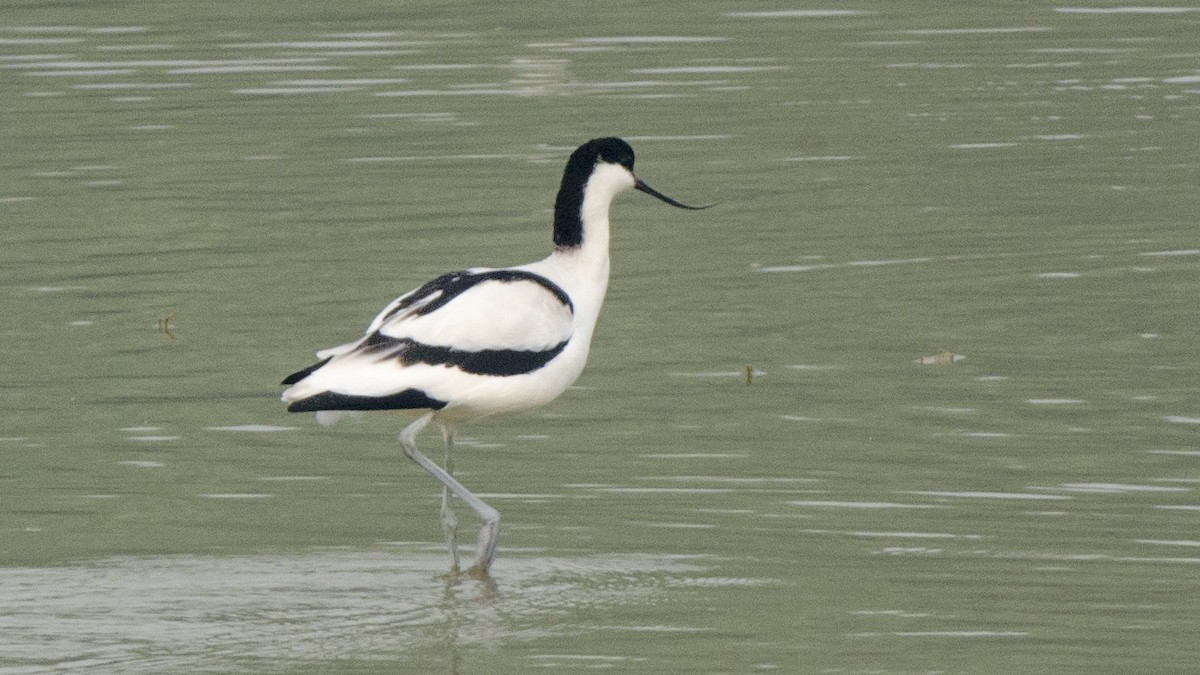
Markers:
<point>480,341</point>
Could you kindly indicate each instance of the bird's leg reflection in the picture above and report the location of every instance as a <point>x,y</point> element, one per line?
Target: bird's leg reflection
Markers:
<point>461,605</point>
<point>457,595</point>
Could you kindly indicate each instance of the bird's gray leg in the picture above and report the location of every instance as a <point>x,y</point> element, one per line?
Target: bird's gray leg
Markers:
<point>485,548</point>
<point>449,520</point>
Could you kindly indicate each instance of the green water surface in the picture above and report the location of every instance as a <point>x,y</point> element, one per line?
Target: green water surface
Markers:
<point>194,197</point>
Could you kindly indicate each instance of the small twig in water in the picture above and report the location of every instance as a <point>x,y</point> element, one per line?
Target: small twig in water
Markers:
<point>164,325</point>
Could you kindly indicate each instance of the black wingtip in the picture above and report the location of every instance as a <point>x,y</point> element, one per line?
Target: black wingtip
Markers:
<point>301,374</point>
<point>409,399</point>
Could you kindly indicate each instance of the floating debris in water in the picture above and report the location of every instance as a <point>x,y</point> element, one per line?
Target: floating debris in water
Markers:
<point>942,358</point>
<point>164,325</point>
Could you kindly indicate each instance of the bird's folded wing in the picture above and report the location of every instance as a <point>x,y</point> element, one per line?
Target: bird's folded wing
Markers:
<point>485,311</point>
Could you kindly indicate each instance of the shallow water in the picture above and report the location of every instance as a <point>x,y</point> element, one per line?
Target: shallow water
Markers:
<point>956,248</point>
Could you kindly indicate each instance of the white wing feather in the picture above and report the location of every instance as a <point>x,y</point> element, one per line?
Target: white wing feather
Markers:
<point>521,315</point>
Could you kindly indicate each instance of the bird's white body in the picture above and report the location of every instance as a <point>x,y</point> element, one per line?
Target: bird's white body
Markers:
<point>516,315</point>
<point>485,341</point>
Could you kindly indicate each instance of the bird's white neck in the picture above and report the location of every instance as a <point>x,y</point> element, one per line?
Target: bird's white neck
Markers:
<point>594,219</point>
<point>584,268</point>
<point>587,220</point>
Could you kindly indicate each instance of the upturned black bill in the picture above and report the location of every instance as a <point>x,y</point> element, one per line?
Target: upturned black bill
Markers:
<point>640,186</point>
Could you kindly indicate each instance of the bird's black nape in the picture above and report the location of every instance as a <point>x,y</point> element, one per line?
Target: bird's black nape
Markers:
<point>568,206</point>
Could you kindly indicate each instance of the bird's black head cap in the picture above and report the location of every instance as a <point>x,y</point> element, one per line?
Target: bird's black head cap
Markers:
<point>613,151</point>
<point>568,208</point>
<point>568,223</point>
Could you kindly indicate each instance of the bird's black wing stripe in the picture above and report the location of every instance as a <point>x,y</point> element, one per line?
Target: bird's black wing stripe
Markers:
<point>328,400</point>
<point>496,362</point>
<point>454,284</point>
